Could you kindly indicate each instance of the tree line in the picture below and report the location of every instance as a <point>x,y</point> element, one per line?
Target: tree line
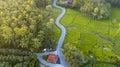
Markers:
<point>97,9</point>
<point>114,3</point>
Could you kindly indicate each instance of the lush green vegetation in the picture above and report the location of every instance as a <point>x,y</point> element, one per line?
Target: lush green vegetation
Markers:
<point>74,56</point>
<point>25,28</point>
<point>98,9</point>
<point>94,40</point>
<point>115,3</point>
<point>99,39</point>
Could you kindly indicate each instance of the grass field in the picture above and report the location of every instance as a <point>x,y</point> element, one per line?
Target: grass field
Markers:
<point>56,30</point>
<point>89,35</point>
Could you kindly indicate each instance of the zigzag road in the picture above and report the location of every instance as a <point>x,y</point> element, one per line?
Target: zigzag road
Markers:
<point>60,42</point>
<point>63,30</point>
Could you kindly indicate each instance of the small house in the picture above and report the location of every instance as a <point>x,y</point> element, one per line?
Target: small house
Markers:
<point>52,58</point>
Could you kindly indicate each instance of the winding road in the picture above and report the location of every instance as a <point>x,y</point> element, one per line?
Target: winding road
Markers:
<point>62,37</point>
<point>60,42</point>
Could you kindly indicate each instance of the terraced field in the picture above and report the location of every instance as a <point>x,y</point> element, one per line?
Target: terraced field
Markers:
<point>97,37</point>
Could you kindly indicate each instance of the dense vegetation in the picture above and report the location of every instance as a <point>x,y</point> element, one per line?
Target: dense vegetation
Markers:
<point>115,3</point>
<point>94,40</point>
<point>74,57</point>
<point>98,9</point>
<point>25,27</point>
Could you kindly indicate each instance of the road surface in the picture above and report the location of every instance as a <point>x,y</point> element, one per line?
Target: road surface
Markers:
<point>60,42</point>
<point>63,33</point>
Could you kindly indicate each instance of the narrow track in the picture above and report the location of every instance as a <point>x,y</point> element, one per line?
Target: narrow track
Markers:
<point>60,42</point>
<point>63,33</point>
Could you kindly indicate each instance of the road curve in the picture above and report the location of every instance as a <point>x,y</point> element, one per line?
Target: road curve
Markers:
<point>60,42</point>
<point>62,37</point>
<point>39,56</point>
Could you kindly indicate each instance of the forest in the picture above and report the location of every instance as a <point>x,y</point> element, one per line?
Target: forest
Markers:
<point>25,29</point>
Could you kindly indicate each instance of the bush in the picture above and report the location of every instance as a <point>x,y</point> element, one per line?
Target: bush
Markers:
<point>74,57</point>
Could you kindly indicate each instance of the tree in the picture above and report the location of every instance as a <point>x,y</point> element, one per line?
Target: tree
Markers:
<point>78,3</point>
<point>98,9</point>
<point>74,57</point>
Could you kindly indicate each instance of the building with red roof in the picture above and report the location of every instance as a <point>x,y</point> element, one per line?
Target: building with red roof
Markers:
<point>52,58</point>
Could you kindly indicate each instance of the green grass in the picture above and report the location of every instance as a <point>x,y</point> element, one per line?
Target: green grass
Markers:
<point>100,65</point>
<point>81,32</point>
<point>56,34</point>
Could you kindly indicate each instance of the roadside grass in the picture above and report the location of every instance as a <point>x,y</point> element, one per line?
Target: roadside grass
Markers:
<point>101,65</point>
<point>89,35</point>
<point>56,31</point>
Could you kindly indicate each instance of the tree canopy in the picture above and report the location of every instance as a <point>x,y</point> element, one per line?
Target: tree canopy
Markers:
<point>98,9</point>
<point>23,29</point>
<point>115,3</point>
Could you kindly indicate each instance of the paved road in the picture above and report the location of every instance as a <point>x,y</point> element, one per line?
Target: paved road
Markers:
<point>62,37</point>
<point>44,62</point>
<point>60,42</point>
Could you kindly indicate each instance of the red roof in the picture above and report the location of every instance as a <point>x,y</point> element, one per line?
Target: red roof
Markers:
<point>52,58</point>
